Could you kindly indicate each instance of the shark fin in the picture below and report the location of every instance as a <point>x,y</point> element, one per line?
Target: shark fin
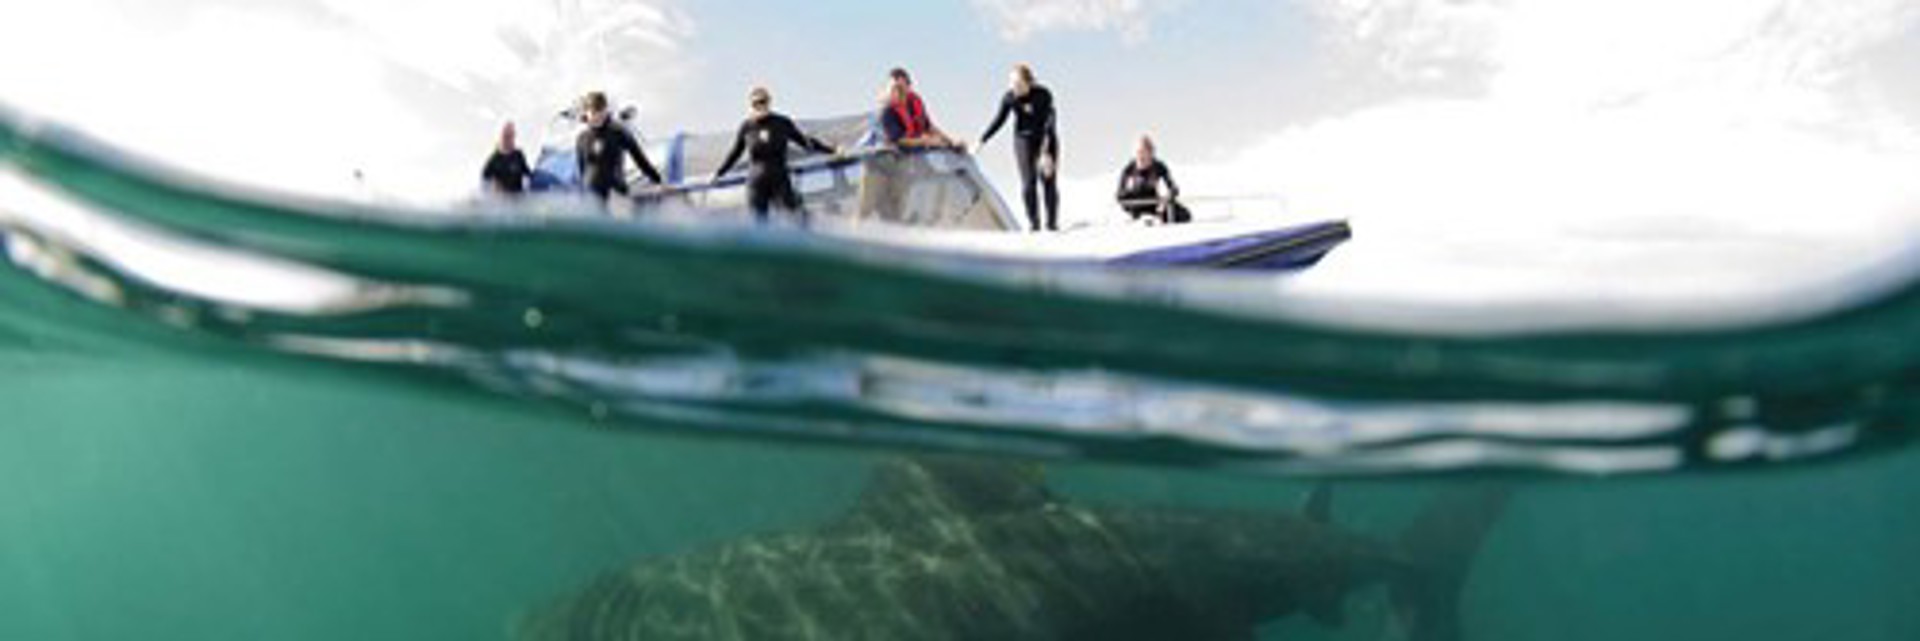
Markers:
<point>1441,544</point>
<point>1320,504</point>
<point>918,487</point>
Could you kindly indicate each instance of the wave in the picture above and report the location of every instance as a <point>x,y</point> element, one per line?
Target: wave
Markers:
<point>663,324</point>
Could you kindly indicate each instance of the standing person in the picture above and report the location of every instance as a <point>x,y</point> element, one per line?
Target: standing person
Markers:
<point>904,118</point>
<point>603,149</point>
<point>764,137</point>
<point>1139,191</point>
<point>1036,143</point>
<point>506,172</point>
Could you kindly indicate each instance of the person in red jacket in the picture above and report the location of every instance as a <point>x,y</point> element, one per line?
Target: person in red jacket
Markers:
<point>904,118</point>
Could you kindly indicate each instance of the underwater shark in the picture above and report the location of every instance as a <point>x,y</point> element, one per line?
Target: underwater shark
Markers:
<point>955,550</point>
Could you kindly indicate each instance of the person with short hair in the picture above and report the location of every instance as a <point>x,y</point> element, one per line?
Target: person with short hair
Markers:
<point>904,120</point>
<point>1139,191</point>
<point>603,149</point>
<point>506,172</point>
<point>764,137</point>
<point>1036,144</point>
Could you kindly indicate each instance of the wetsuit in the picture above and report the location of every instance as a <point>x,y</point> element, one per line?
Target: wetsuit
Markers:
<point>765,139</point>
<point>1034,135</point>
<point>603,151</point>
<point>507,172</point>
<point>1139,184</point>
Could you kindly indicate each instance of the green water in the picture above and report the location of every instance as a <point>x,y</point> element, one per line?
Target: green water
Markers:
<point>174,499</point>
<point>499,411</point>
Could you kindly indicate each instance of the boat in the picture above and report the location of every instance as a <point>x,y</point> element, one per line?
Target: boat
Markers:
<point>937,199</point>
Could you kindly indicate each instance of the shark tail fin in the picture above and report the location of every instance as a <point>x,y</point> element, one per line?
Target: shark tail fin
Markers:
<point>1441,545</point>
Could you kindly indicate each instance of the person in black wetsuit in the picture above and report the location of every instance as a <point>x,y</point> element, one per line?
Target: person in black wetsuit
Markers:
<point>603,150</point>
<point>1139,191</point>
<point>1036,144</point>
<point>764,137</point>
<point>506,172</point>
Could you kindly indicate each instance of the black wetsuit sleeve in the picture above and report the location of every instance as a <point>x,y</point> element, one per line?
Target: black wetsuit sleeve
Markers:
<point>580,148</point>
<point>822,146</point>
<point>1120,190</point>
<point>810,142</point>
<point>1173,190</point>
<point>999,120</point>
<point>640,158</point>
<point>739,147</point>
<point>1052,135</point>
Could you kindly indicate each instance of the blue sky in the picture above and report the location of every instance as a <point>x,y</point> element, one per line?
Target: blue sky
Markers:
<point>1199,78</point>
<point>833,53</point>
<point>1481,147</point>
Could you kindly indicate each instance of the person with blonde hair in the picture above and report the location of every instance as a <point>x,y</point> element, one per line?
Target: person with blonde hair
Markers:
<point>506,171</point>
<point>764,137</point>
<point>1036,144</point>
<point>1139,192</point>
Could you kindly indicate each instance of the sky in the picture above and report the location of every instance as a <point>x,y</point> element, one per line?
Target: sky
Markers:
<point>1633,149</point>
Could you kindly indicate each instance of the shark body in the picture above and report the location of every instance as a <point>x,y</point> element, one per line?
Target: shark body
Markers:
<point>944,550</point>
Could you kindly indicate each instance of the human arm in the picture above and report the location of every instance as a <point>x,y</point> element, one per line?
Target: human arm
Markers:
<point>933,136</point>
<point>487,173</point>
<point>1050,149</point>
<point>1173,190</point>
<point>999,120</point>
<point>733,156</point>
<point>809,142</point>
<point>640,158</point>
<point>1050,140</point>
<point>819,145</point>
<point>580,147</point>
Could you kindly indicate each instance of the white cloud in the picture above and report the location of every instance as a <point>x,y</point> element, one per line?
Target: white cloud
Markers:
<point>1019,20</point>
<point>300,94</point>
<point>1632,149</point>
<point>1417,40</point>
<point>507,51</point>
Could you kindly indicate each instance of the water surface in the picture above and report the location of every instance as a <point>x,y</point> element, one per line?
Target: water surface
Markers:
<point>236,417</point>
